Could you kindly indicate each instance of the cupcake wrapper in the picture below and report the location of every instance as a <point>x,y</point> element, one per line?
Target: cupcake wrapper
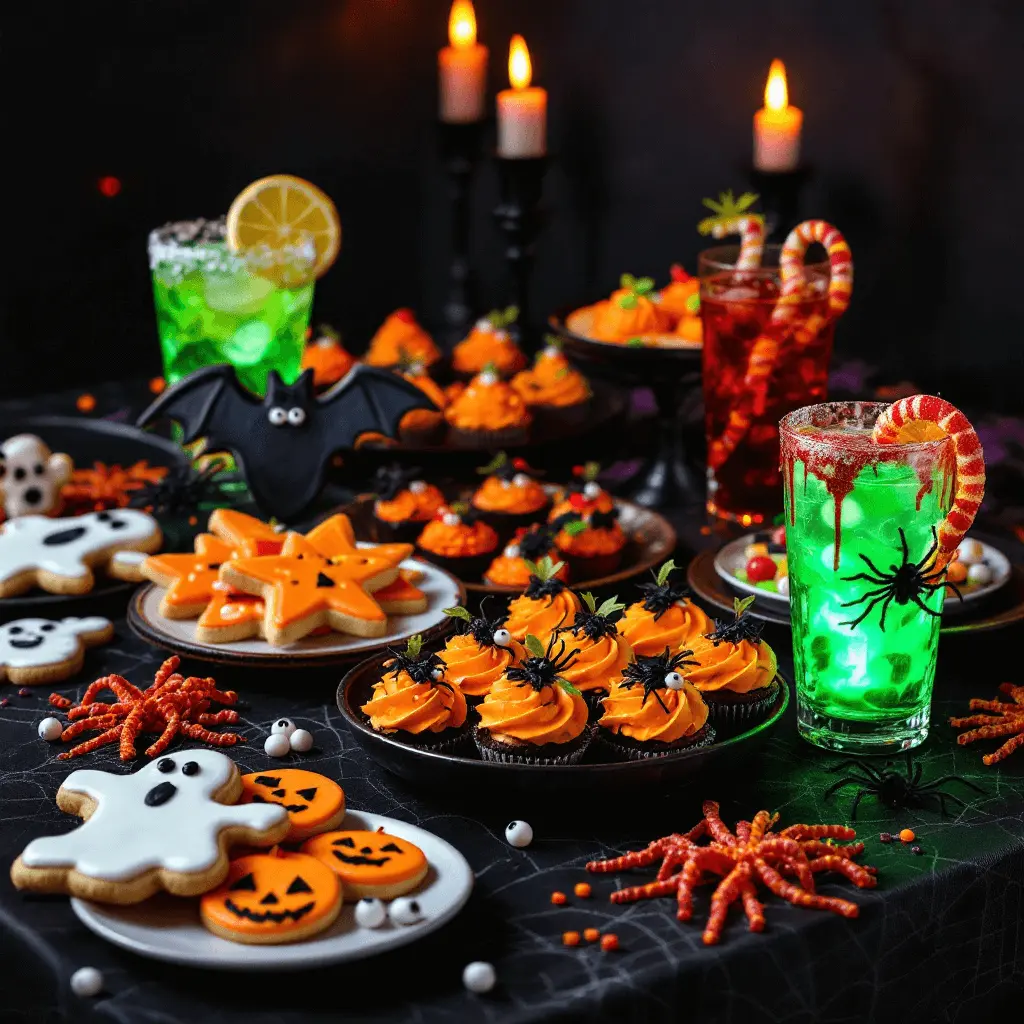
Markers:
<point>467,567</point>
<point>429,433</point>
<point>593,699</point>
<point>487,438</point>
<point>506,523</point>
<point>593,567</point>
<point>405,532</point>
<point>730,713</point>
<point>622,748</point>
<point>450,741</point>
<point>526,753</point>
<point>553,418</point>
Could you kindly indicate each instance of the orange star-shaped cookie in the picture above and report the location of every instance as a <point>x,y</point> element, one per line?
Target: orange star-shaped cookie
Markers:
<point>189,578</point>
<point>230,616</point>
<point>246,534</point>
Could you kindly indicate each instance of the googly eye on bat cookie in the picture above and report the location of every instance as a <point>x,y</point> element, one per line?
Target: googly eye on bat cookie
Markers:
<point>373,864</point>
<point>314,802</point>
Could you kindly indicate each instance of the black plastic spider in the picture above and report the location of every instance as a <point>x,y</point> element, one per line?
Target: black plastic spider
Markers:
<point>184,489</point>
<point>542,670</point>
<point>903,583</point>
<point>743,627</point>
<point>539,587</point>
<point>421,668</point>
<point>595,622</point>
<point>481,628</point>
<point>659,597</point>
<point>649,671</point>
<point>390,479</point>
<point>892,788</point>
<point>535,543</point>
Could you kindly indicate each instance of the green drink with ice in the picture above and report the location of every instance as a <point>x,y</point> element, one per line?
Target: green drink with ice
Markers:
<point>865,598</point>
<point>212,307</point>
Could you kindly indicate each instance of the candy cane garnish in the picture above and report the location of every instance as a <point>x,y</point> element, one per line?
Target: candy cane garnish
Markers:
<point>970,461</point>
<point>764,354</point>
<point>751,232</point>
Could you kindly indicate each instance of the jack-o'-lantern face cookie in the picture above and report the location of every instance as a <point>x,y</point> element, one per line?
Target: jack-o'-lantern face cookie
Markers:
<point>370,863</point>
<point>314,802</point>
<point>272,898</point>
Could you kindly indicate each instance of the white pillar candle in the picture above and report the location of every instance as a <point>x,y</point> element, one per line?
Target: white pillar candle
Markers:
<point>462,68</point>
<point>522,110</point>
<point>777,126</point>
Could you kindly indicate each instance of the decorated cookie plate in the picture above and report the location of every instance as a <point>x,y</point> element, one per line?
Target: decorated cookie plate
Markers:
<point>168,928</point>
<point>442,589</point>
<point>734,560</point>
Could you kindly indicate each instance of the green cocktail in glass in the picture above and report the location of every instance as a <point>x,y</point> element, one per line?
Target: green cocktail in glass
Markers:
<point>865,598</point>
<point>212,307</point>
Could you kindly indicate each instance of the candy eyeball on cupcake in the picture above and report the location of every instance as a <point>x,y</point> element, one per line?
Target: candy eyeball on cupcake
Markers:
<point>283,727</point>
<point>520,480</point>
<point>405,911</point>
<point>518,834</point>
<point>592,490</point>
<point>451,519</point>
<point>277,745</point>
<point>417,487</point>
<point>674,680</point>
<point>502,637</point>
<point>370,912</point>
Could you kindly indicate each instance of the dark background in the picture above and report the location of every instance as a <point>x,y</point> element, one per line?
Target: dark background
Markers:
<point>913,122</point>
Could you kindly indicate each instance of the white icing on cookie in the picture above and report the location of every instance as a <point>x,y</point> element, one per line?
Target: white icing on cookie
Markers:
<point>129,559</point>
<point>58,546</point>
<point>31,476</point>
<point>162,816</point>
<point>34,643</point>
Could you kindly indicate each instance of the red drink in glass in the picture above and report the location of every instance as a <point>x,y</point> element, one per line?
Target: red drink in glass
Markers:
<point>745,398</point>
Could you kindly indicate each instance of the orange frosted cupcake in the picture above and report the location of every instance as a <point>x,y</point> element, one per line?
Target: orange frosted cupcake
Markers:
<point>518,561</point>
<point>630,313</point>
<point>602,652</point>
<point>592,543</point>
<point>488,412</point>
<point>480,654</point>
<point>654,710</point>
<point>583,494</point>
<point>401,338</point>
<point>422,426</point>
<point>557,394</point>
<point>327,358</point>
<point>457,540</point>
<point>489,343</point>
<point>677,297</point>
<point>665,618</point>
<point>404,504</point>
<point>414,702</point>
<point>737,668</point>
<point>546,604</point>
<point>532,715</point>
<point>509,498</point>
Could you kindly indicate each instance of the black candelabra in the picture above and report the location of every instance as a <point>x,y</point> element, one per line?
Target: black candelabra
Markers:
<point>780,193</point>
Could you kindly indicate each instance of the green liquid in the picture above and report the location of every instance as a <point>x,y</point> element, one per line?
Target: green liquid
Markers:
<point>222,313</point>
<point>879,678</point>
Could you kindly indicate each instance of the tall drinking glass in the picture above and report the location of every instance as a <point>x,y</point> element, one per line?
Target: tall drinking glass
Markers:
<point>860,522</point>
<point>212,307</point>
<point>746,394</point>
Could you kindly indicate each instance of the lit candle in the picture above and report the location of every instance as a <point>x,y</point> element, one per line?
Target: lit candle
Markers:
<point>522,110</point>
<point>462,68</point>
<point>777,126</point>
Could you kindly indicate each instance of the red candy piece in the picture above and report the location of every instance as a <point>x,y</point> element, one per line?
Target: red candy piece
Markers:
<point>761,568</point>
<point>679,275</point>
<point>406,316</point>
<point>779,536</point>
<point>578,502</point>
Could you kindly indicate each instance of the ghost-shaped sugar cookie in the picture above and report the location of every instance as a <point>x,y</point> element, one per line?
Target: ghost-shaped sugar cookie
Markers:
<point>168,826</point>
<point>48,650</point>
<point>31,476</point>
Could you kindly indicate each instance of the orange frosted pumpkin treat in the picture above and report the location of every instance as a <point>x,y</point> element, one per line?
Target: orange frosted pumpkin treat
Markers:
<point>509,497</point>
<point>327,358</point>
<point>665,619</point>
<point>514,566</point>
<point>592,542</point>
<point>422,426</point>
<point>401,338</point>
<point>371,865</point>
<point>314,802</point>
<point>405,503</point>
<point>479,655</point>
<point>489,343</point>
<point>488,412</point>
<point>630,313</point>
<point>677,297</point>
<point>554,390</point>
<point>457,540</point>
<point>583,494</point>
<point>546,604</point>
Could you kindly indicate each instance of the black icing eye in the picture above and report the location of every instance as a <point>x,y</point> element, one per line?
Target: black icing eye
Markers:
<point>307,794</point>
<point>39,468</point>
<point>14,630</point>
<point>19,473</point>
<point>270,781</point>
<point>346,841</point>
<point>165,765</point>
<point>390,848</point>
<point>102,516</point>
<point>244,884</point>
<point>47,627</point>
<point>117,524</point>
<point>298,885</point>
<point>190,768</point>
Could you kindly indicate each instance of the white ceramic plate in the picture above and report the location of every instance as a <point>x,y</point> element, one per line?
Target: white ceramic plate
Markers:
<point>168,927</point>
<point>730,558</point>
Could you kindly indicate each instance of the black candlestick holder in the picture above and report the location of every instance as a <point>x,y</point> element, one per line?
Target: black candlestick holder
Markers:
<point>460,147</point>
<point>520,217</point>
<point>780,193</point>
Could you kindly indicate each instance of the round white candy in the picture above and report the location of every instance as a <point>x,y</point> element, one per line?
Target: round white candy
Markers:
<point>302,741</point>
<point>50,729</point>
<point>970,552</point>
<point>521,480</point>
<point>451,519</point>
<point>283,727</point>
<point>592,490</point>
<point>479,977</point>
<point>437,673</point>
<point>370,913</point>
<point>782,585</point>
<point>979,574</point>
<point>488,379</point>
<point>502,637</point>
<point>87,982</point>
<point>484,325</point>
<point>512,551</point>
<point>405,911</point>
<point>518,834</point>
<point>417,487</point>
<point>277,745</point>
<point>674,681</point>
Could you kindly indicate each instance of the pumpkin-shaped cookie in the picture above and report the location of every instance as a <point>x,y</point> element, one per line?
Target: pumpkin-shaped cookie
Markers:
<point>272,898</point>
<point>370,863</point>
<point>314,802</point>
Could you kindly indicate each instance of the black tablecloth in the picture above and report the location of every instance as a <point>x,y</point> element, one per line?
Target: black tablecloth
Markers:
<point>940,939</point>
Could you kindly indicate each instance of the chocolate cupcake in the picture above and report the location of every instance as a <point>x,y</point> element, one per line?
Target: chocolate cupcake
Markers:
<point>517,562</point>
<point>546,604</point>
<point>458,540</point>
<point>509,499</point>
<point>404,504</point>
<point>480,653</point>
<point>665,617</point>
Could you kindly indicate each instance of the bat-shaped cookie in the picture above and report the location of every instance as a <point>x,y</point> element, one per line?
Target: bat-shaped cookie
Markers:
<point>283,442</point>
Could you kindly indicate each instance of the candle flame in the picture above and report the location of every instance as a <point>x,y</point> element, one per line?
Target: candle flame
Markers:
<point>520,70</point>
<point>462,25</point>
<point>776,93</point>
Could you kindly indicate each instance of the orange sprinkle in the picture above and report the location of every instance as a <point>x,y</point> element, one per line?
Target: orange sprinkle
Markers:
<point>157,385</point>
<point>591,934</point>
<point>907,835</point>
<point>85,403</point>
<point>609,942</point>
<point>582,889</point>
<point>559,899</point>
<point>570,938</point>
<point>193,520</point>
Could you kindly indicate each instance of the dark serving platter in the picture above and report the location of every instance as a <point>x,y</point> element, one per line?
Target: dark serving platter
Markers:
<point>430,769</point>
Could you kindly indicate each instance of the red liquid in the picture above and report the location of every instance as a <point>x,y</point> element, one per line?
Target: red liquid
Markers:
<point>747,486</point>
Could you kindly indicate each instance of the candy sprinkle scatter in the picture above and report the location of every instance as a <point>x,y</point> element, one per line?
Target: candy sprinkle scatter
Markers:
<point>907,835</point>
<point>157,385</point>
<point>24,692</point>
<point>916,850</point>
<point>85,403</point>
<point>885,837</point>
<point>609,942</point>
<point>4,702</point>
<point>582,889</point>
<point>591,934</point>
<point>570,938</point>
<point>559,899</point>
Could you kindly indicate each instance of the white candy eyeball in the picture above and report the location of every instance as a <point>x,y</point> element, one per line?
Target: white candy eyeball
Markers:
<point>512,551</point>
<point>979,573</point>
<point>283,727</point>
<point>301,741</point>
<point>500,335</point>
<point>451,519</point>
<point>518,834</point>
<point>592,490</point>
<point>418,486</point>
<point>277,745</point>
<point>507,484</point>
<point>502,637</point>
<point>782,585</point>
<point>521,480</point>
<point>969,552</point>
<point>370,912</point>
<point>489,379</point>
<point>50,729</point>
<point>405,911</point>
<point>551,352</point>
<point>278,416</point>
<point>479,977</point>
<point>438,673</point>
<point>484,325</point>
<point>87,982</point>
<point>674,681</point>
<point>296,416</point>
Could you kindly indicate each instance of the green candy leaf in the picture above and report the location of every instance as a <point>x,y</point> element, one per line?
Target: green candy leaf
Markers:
<point>553,341</point>
<point>562,373</point>
<point>491,369</point>
<point>644,285</point>
<point>727,208</point>
<point>665,571</point>
<point>326,331</point>
<point>494,465</point>
<point>567,686</point>
<point>575,527</point>
<point>741,604</point>
<point>414,646</point>
<point>534,646</point>
<point>591,470</point>
<point>635,343</point>
<point>693,303</point>
<point>460,508</point>
<point>589,600</point>
<point>458,612</point>
<point>533,568</point>
<point>610,607</point>
<point>510,316</point>
<point>628,301</point>
<point>627,281</point>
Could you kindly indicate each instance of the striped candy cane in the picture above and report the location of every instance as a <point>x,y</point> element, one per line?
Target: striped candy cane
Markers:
<point>751,232</point>
<point>764,354</point>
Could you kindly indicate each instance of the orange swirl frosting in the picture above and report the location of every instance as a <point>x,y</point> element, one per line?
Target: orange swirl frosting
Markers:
<point>475,668</point>
<point>400,338</point>
<point>487,403</point>
<point>676,628</point>
<point>675,298</point>
<point>497,495</point>
<point>738,667</point>
<point>417,505</point>
<point>540,616</point>
<point>552,381</point>
<point>599,663</point>
<point>626,712</point>
<point>517,712</point>
<point>486,345</point>
<point>457,541</point>
<point>590,542</point>
<point>613,322</point>
<point>512,571</point>
<point>400,703</point>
